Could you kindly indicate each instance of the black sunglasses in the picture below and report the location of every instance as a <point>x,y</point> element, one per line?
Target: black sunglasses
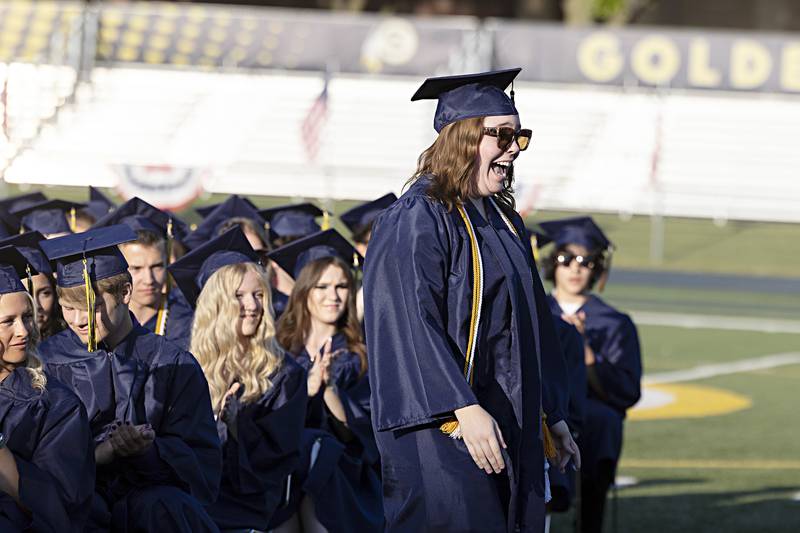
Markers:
<point>566,259</point>
<point>505,136</point>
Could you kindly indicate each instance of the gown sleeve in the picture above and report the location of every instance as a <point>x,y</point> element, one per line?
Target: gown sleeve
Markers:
<point>56,484</point>
<point>619,366</point>
<point>412,361</point>
<point>572,344</point>
<point>186,447</point>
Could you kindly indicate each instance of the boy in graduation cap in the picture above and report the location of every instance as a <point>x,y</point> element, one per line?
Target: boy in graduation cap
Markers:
<point>157,306</point>
<point>579,262</point>
<point>51,218</point>
<point>464,362</point>
<point>336,484</point>
<point>156,446</point>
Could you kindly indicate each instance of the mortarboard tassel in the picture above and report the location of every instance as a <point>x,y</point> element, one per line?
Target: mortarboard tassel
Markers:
<point>163,309</point>
<point>73,220</point>
<point>91,343</point>
<point>30,279</point>
<point>512,91</point>
<point>326,220</point>
<point>535,248</point>
<point>547,440</point>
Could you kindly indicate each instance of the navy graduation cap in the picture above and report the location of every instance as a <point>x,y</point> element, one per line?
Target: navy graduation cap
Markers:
<point>234,206</point>
<point>140,215</point>
<point>206,210</point>
<point>99,205</point>
<point>193,270</point>
<point>9,224</point>
<point>97,246</point>
<point>28,244</point>
<point>13,267</point>
<point>296,220</point>
<point>469,96</point>
<point>361,216</point>
<point>48,216</point>
<point>329,243</point>
<point>576,230</point>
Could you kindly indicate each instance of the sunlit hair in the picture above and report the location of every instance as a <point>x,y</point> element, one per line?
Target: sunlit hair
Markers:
<point>113,285</point>
<point>215,342</point>
<point>249,224</point>
<point>32,362</point>
<point>295,322</point>
<point>451,162</point>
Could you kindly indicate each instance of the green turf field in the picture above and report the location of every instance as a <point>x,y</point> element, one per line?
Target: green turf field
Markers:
<point>732,473</point>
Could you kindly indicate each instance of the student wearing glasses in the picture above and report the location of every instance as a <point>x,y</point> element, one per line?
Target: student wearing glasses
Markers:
<point>580,261</point>
<point>469,385</point>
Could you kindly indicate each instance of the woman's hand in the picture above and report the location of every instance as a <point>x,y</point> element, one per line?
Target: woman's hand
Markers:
<point>130,440</point>
<point>318,375</point>
<point>104,453</point>
<point>230,409</point>
<point>482,436</point>
<point>578,320</point>
<point>565,446</point>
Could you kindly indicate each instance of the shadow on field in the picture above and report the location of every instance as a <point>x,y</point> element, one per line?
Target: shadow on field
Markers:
<point>768,509</point>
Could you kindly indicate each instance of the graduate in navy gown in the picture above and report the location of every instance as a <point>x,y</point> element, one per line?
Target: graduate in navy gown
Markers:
<point>48,313</point>
<point>156,445</point>
<point>157,305</point>
<point>9,223</point>
<point>51,218</point>
<point>468,379</point>
<point>336,485</point>
<point>46,459</point>
<point>581,259</point>
<point>359,220</point>
<point>258,391</point>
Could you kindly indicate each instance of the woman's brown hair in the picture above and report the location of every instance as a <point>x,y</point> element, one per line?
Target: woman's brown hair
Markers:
<point>451,162</point>
<point>295,321</point>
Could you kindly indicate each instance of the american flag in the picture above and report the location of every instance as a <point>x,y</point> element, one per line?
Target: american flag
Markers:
<point>313,124</point>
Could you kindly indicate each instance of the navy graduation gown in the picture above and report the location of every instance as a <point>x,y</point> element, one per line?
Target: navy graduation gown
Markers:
<point>343,481</point>
<point>417,296</point>
<point>179,319</point>
<point>145,379</point>
<point>612,337</point>
<point>256,464</point>
<point>48,433</point>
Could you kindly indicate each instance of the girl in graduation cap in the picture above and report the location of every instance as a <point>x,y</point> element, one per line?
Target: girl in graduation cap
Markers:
<point>46,459</point>
<point>336,485</point>
<point>579,262</point>
<point>257,390</point>
<point>469,383</point>
<point>41,284</point>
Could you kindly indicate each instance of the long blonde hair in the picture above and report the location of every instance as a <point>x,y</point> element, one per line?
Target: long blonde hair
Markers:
<point>216,345</point>
<point>32,362</point>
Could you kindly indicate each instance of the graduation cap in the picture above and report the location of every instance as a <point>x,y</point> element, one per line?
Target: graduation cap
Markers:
<point>235,206</point>
<point>575,230</point>
<point>329,243</point>
<point>295,220</point>
<point>13,267</point>
<point>469,96</point>
<point>28,244</point>
<point>206,210</point>
<point>48,216</point>
<point>99,205</point>
<point>361,216</point>
<point>22,200</point>
<point>9,225</point>
<point>193,270</point>
<point>140,215</point>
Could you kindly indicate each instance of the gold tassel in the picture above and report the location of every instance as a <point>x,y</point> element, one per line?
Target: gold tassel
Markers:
<point>451,428</point>
<point>535,248</point>
<point>355,260</point>
<point>326,220</point>
<point>547,439</point>
<point>30,280</point>
<point>91,343</point>
<point>73,220</point>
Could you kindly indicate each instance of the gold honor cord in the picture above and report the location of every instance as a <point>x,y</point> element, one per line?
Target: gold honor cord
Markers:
<point>451,427</point>
<point>547,437</point>
<point>73,220</point>
<point>326,220</point>
<point>163,308</point>
<point>91,343</point>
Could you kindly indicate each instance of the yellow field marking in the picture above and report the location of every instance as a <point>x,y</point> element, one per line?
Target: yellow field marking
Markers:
<point>716,464</point>
<point>681,400</point>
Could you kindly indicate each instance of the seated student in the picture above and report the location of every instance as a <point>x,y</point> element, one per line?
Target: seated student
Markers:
<point>156,445</point>
<point>257,390</point>
<point>156,305</point>
<point>337,485</point>
<point>48,313</point>
<point>51,218</point>
<point>359,221</point>
<point>46,458</point>
<point>579,260</point>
